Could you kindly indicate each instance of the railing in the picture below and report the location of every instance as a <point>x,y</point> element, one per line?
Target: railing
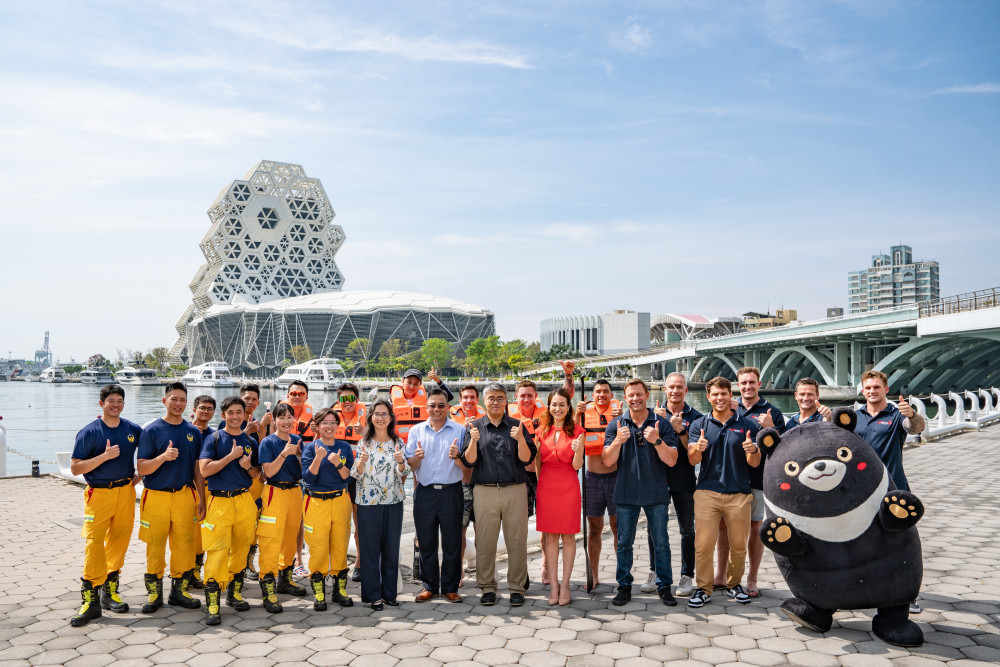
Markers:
<point>980,413</point>
<point>984,298</point>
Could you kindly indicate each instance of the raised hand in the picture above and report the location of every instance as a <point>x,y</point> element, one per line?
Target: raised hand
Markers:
<point>516,431</point>
<point>748,445</point>
<point>237,451</point>
<point>333,458</point>
<point>419,453</point>
<point>659,411</point>
<point>170,453</point>
<point>702,443</point>
<point>320,450</point>
<point>568,367</point>
<point>765,420</point>
<point>111,451</point>
<point>433,374</point>
<point>616,409</point>
<point>291,449</point>
<point>397,455</point>
<point>905,407</point>
<point>651,434</point>
<point>266,419</point>
<point>577,444</point>
<point>245,461</point>
<point>623,433</point>
<point>677,422</point>
<point>824,412</point>
<point>474,435</point>
<point>253,426</point>
<point>453,451</point>
<point>734,404</point>
<point>363,456</point>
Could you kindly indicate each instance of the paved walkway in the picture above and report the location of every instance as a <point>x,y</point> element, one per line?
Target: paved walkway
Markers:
<point>41,552</point>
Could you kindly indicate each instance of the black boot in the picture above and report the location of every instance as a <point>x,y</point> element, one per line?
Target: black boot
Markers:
<point>249,572</point>
<point>269,594</point>
<point>319,591</point>
<point>109,595</point>
<point>91,607</point>
<point>178,592</point>
<point>893,626</point>
<point>212,594</point>
<point>154,593</point>
<point>196,581</point>
<point>339,592</point>
<point>287,586</point>
<point>803,613</point>
<point>234,594</point>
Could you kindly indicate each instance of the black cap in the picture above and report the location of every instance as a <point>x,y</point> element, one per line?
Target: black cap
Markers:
<point>413,372</point>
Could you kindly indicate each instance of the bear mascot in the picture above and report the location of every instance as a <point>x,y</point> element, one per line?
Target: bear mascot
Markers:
<point>843,536</point>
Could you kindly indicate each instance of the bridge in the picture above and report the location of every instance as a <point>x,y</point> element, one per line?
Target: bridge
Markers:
<point>947,345</point>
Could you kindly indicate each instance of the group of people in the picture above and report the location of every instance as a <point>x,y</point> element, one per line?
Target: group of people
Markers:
<point>299,476</point>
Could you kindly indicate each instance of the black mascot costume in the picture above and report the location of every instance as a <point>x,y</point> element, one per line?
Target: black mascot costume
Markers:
<point>843,536</point>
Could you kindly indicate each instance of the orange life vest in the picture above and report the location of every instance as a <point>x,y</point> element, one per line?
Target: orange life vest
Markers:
<point>530,423</point>
<point>305,417</point>
<point>458,414</point>
<point>407,414</point>
<point>595,424</point>
<point>350,432</point>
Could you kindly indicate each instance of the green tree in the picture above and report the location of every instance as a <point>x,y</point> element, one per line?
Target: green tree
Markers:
<point>300,353</point>
<point>73,369</point>
<point>359,352</point>
<point>482,355</point>
<point>434,353</point>
<point>391,349</point>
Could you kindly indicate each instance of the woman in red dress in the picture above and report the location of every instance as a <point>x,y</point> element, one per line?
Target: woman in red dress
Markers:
<point>557,510</point>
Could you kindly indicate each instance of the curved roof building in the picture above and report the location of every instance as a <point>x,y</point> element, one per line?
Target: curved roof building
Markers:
<point>270,283</point>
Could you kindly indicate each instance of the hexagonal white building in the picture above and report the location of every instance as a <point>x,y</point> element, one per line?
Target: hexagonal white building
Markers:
<point>272,239</point>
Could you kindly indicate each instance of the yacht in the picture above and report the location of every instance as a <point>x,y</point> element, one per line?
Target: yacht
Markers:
<point>53,374</point>
<point>97,375</point>
<point>137,375</point>
<point>209,374</point>
<point>324,374</point>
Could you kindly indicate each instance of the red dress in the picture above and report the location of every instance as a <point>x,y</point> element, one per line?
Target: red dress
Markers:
<point>557,506</point>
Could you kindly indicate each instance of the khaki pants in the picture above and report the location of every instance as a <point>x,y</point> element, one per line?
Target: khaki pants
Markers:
<point>495,508</point>
<point>709,507</point>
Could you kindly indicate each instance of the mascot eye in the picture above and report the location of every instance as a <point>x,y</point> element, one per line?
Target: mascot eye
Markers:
<point>792,468</point>
<point>844,454</point>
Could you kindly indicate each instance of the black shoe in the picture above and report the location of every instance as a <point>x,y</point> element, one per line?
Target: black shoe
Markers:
<point>179,597</point>
<point>376,606</point>
<point>356,575</point>
<point>666,597</point>
<point>196,582</point>
<point>286,585</point>
<point>154,593</point>
<point>234,594</point>
<point>516,599</point>
<point>392,603</point>
<point>624,595</point>
<point>91,607</point>
<point>488,599</point>
<point>109,595</point>
<point>212,595</point>
<point>338,592</point>
<point>268,594</point>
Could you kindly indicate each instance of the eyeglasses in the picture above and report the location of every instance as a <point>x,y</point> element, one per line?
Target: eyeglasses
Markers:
<point>496,399</point>
<point>380,415</point>
<point>349,398</point>
<point>297,394</point>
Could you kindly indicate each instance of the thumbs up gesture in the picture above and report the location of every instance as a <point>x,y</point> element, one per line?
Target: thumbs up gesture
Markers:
<point>245,461</point>
<point>170,453</point>
<point>677,422</point>
<point>702,443</point>
<point>577,444</point>
<point>659,411</point>
<point>623,433</point>
<point>474,434</point>
<point>824,412</point>
<point>517,432</point>
<point>363,456</point>
<point>452,450</point>
<point>616,409</point>
<point>765,420</point>
<point>433,375</point>
<point>397,454</point>
<point>237,451</point>
<point>568,367</point>
<point>419,453</point>
<point>905,407</point>
<point>110,451</point>
<point>651,434</point>
<point>291,449</point>
<point>320,449</point>
<point>748,445</point>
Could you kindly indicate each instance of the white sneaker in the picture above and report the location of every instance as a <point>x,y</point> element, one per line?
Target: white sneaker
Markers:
<point>650,585</point>
<point>684,587</point>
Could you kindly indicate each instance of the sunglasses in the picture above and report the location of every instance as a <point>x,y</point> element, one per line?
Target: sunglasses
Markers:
<point>297,393</point>
<point>350,398</point>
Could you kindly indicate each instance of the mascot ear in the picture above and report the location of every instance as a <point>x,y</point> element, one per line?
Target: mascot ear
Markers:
<point>768,439</point>
<point>845,418</point>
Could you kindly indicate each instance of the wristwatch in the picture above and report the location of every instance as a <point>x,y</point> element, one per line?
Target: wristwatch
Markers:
<point>659,441</point>
<point>339,465</point>
<point>680,433</point>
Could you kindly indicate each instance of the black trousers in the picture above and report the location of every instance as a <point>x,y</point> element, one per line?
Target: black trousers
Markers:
<point>379,530</point>
<point>684,508</point>
<point>434,511</point>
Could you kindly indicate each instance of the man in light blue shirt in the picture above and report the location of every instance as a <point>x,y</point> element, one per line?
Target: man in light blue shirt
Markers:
<point>432,452</point>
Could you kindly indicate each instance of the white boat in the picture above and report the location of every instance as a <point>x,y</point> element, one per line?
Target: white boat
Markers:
<point>133,375</point>
<point>209,374</point>
<point>323,374</point>
<point>54,375</point>
<point>99,375</point>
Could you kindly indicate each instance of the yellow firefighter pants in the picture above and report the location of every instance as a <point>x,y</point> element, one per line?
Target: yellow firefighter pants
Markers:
<point>327,530</point>
<point>278,528</point>
<point>163,516</point>
<point>108,515</point>
<point>226,533</point>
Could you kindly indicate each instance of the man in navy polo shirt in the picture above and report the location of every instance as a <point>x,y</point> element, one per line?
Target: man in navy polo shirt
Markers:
<point>644,446</point>
<point>722,442</point>
<point>810,409</point>
<point>104,454</point>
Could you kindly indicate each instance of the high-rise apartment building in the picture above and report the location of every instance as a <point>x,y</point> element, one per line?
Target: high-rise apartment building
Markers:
<point>893,280</point>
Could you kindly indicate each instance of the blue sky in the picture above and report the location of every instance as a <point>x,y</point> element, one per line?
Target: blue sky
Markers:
<point>537,159</point>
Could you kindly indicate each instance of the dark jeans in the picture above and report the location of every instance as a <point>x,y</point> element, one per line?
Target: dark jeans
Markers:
<point>656,524</point>
<point>437,510</point>
<point>379,530</point>
<point>684,509</point>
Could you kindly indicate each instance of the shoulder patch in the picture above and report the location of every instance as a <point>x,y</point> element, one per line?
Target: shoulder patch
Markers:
<point>190,437</point>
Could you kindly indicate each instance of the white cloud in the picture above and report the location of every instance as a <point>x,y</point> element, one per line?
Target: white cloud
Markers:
<point>632,37</point>
<point>977,89</point>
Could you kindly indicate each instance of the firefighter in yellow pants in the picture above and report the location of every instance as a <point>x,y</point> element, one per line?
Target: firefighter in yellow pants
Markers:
<point>326,512</point>
<point>229,463</point>
<point>103,454</point>
<point>201,416</point>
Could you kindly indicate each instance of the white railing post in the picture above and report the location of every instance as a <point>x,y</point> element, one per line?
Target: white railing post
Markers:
<point>959,406</point>
<point>921,410</point>
<point>975,408</point>
<point>3,449</point>
<point>989,407</point>
<point>942,410</point>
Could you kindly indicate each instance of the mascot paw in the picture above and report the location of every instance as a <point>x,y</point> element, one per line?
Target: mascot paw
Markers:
<point>900,510</point>
<point>806,615</point>
<point>779,530</point>
<point>897,631</point>
<point>781,537</point>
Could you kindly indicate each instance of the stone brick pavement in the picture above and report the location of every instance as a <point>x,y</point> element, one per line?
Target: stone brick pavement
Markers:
<point>41,552</point>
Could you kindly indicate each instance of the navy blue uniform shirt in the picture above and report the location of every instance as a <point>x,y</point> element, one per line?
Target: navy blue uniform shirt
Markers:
<point>758,409</point>
<point>724,467</point>
<point>92,440</point>
<point>793,421</point>
<point>642,476</point>
<point>179,472</point>
<point>233,477</point>
<point>884,432</point>
<point>328,478</point>
<point>681,475</point>
<point>270,450</point>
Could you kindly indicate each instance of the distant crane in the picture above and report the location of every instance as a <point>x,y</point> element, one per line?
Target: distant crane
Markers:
<point>44,355</point>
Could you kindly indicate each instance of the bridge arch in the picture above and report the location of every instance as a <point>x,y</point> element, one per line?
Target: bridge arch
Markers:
<point>782,374</point>
<point>711,362</point>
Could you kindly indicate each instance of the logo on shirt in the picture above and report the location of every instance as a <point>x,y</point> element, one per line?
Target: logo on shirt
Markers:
<point>131,438</point>
<point>883,422</point>
<point>736,430</point>
<point>190,438</point>
<point>247,450</point>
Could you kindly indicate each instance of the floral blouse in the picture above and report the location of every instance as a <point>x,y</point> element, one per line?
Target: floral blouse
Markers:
<point>381,483</point>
